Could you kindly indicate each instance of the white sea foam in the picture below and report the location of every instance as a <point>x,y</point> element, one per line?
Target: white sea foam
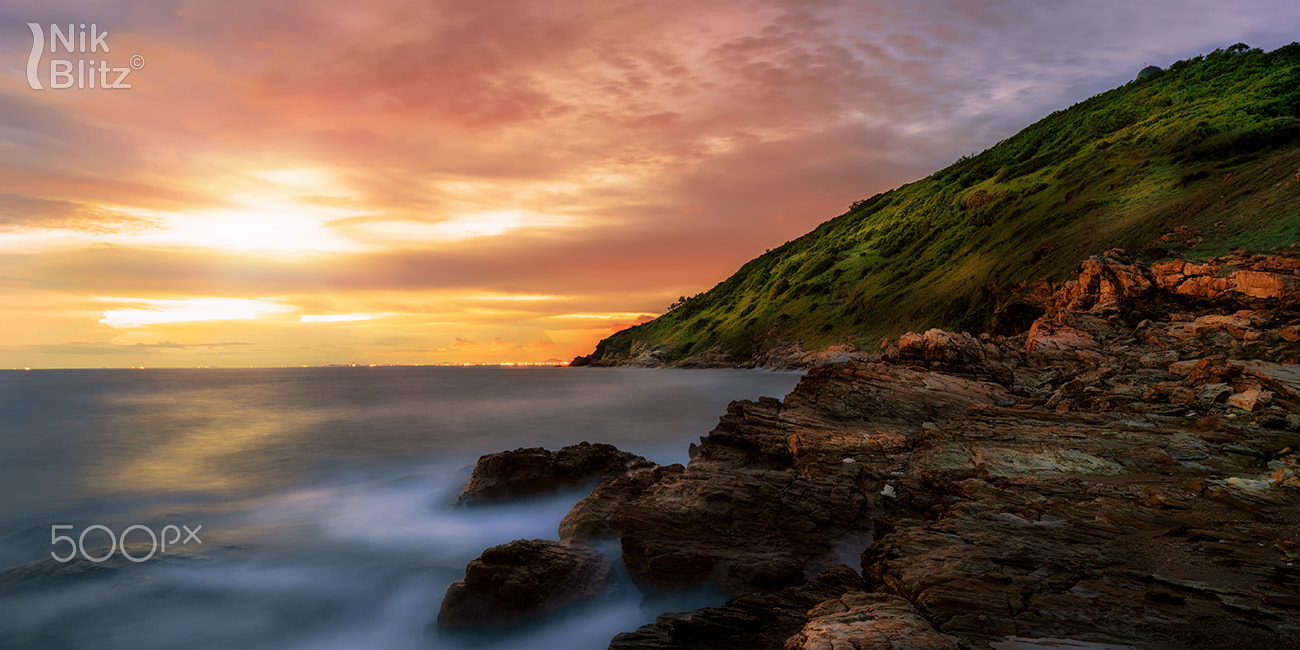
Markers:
<point>325,497</point>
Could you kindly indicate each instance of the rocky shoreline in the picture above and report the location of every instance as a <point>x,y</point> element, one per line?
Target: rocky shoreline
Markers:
<point>1124,472</point>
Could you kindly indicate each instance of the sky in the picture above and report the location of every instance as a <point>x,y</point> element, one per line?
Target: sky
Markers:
<point>443,181</point>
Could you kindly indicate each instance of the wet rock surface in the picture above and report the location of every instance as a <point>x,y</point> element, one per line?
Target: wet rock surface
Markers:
<point>522,580</point>
<point>531,471</point>
<point>1123,473</point>
<point>756,620</point>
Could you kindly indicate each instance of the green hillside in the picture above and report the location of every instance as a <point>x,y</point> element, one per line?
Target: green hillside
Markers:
<point>1187,161</point>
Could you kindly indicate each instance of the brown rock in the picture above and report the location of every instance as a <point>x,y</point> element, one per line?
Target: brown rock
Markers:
<point>769,491</point>
<point>862,620</point>
<point>1074,482</point>
<point>594,516</point>
<point>1236,326</point>
<point>1050,342</point>
<point>738,530</point>
<point>1290,334</point>
<point>1105,282</point>
<point>1168,275</point>
<point>1249,400</point>
<point>1281,378</point>
<point>1259,284</point>
<point>1203,287</point>
<point>531,471</point>
<point>1160,359</point>
<point>522,580</point>
<point>747,622</point>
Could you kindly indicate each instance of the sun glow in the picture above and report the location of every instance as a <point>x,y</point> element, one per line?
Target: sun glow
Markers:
<point>257,225</point>
<point>155,312</point>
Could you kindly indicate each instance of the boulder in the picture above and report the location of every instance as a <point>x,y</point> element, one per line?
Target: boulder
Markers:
<point>1051,342</point>
<point>522,580</point>
<point>531,471</point>
<point>1250,399</point>
<point>1106,282</point>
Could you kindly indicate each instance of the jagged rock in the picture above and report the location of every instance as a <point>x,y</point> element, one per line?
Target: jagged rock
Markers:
<point>739,531</point>
<point>960,353</point>
<point>1106,282</point>
<point>862,620</point>
<point>1062,559</point>
<point>768,491</point>
<point>1249,400</point>
<point>530,471</point>
<point>1235,278</point>
<point>522,580</point>
<point>756,620</point>
<point>1051,342</point>
<point>1281,378</point>
<point>1079,481</point>
<point>594,516</point>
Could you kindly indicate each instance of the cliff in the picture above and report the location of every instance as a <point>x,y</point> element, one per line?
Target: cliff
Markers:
<point>1185,163</point>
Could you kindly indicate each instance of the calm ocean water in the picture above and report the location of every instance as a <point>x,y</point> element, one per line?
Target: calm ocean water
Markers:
<point>323,496</point>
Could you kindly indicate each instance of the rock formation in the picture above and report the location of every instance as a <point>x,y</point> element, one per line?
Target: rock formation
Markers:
<point>1120,473</point>
<point>522,580</point>
<point>756,620</point>
<point>531,471</point>
<point>1124,472</point>
<point>862,620</point>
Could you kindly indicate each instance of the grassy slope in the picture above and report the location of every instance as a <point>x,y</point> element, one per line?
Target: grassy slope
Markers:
<point>1211,144</point>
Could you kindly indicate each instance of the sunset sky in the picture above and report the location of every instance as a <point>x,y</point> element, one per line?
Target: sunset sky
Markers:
<point>434,181</point>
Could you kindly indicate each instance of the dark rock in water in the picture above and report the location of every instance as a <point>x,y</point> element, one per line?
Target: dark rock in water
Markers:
<point>756,620</point>
<point>595,516</point>
<point>530,471</point>
<point>521,580</point>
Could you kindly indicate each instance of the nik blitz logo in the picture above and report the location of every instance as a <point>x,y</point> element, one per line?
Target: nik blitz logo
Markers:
<point>76,40</point>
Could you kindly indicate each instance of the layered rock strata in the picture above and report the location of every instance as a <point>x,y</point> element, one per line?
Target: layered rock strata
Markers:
<point>1124,472</point>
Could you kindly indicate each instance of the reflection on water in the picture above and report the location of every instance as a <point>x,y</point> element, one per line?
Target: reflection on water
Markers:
<point>324,496</point>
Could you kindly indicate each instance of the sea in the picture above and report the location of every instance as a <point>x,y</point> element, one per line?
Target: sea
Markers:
<point>307,508</point>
